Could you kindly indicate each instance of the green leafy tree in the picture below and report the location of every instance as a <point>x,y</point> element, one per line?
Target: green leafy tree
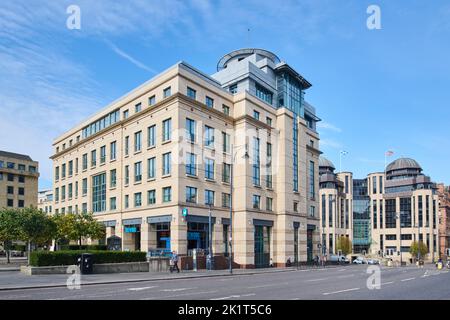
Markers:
<point>9,229</point>
<point>36,227</point>
<point>415,249</point>
<point>344,245</point>
<point>76,227</point>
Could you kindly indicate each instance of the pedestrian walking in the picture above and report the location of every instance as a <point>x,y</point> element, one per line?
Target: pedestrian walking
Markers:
<point>174,262</point>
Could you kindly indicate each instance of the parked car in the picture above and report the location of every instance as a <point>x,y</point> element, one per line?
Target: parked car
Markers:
<point>373,261</point>
<point>359,260</point>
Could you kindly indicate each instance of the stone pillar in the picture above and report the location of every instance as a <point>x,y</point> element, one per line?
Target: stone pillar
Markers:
<point>145,236</point>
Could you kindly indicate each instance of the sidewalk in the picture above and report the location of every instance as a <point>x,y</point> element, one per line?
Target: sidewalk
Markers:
<point>17,280</point>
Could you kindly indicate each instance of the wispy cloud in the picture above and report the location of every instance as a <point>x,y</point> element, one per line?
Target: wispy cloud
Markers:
<point>328,126</point>
<point>134,61</point>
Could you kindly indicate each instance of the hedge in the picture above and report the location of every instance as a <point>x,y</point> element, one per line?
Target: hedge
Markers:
<point>96,247</point>
<point>69,257</point>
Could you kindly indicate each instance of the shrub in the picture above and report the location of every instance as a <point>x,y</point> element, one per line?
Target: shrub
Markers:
<point>69,257</point>
<point>96,247</point>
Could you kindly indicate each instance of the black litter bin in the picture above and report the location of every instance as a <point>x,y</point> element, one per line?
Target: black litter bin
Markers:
<point>85,262</point>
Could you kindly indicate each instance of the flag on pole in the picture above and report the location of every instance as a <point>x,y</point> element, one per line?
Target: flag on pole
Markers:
<point>389,153</point>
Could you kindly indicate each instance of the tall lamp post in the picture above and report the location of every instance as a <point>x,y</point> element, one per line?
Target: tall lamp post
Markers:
<point>233,158</point>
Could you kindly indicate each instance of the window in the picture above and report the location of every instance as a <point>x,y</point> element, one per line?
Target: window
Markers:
<point>167,92</point>
<point>256,161</point>
<point>209,102</point>
<point>269,121</point>
<point>138,171</point>
<point>167,194</point>
<point>137,141</point>
<point>151,167</point>
<point>209,197</point>
<point>63,171</point>
<point>85,161</point>
<point>191,194</point>
<point>112,203</point>
<point>191,164</point>
<point>166,163</point>
<point>167,124</point>
<point>226,110</point>
<point>209,137</point>
<point>151,132</point>
<point>93,158</point>
<point>102,156</point>
<point>226,200</point>
<point>190,130</point>
<point>191,93</point>
<point>312,189</point>
<point>256,114</point>
<point>113,178</point>
<point>56,173</point>
<point>226,171</point>
<point>312,211</point>
<point>256,201</point>
<point>113,151</point>
<point>127,201</point>
<point>84,187</point>
<point>263,93</point>
<point>127,145</point>
<point>137,199</point>
<point>125,114</point>
<point>127,175</point>
<point>138,107</point>
<point>269,204</point>
<point>209,169</point>
<point>98,125</point>
<point>151,197</point>
<point>226,146</point>
<point>70,168</point>
<point>151,100</point>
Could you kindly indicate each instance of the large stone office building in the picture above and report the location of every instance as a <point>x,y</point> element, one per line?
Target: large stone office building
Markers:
<point>385,212</point>
<point>154,163</point>
<point>18,180</point>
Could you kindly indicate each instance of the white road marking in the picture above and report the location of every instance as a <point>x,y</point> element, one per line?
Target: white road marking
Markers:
<point>408,279</point>
<point>340,291</point>
<point>314,280</point>
<point>180,295</point>
<point>234,296</point>
<point>142,288</point>
<point>177,289</point>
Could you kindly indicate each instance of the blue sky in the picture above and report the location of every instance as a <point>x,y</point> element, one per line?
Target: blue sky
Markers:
<point>374,89</point>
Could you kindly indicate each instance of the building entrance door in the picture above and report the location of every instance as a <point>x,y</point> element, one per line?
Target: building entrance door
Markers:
<point>262,246</point>
<point>309,244</point>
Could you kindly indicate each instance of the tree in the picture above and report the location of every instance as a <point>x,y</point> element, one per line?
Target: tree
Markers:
<point>36,227</point>
<point>77,227</point>
<point>9,229</point>
<point>344,244</point>
<point>415,249</point>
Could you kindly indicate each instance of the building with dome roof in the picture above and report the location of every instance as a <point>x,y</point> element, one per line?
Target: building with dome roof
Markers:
<point>389,210</point>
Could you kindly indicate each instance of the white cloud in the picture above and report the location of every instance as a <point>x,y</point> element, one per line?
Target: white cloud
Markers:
<point>328,126</point>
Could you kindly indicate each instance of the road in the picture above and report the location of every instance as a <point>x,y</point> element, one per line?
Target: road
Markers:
<point>349,282</point>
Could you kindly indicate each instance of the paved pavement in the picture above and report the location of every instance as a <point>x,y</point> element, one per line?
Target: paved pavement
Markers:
<point>349,282</point>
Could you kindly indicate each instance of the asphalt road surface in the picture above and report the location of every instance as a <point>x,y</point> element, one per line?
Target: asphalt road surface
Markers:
<point>349,282</point>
